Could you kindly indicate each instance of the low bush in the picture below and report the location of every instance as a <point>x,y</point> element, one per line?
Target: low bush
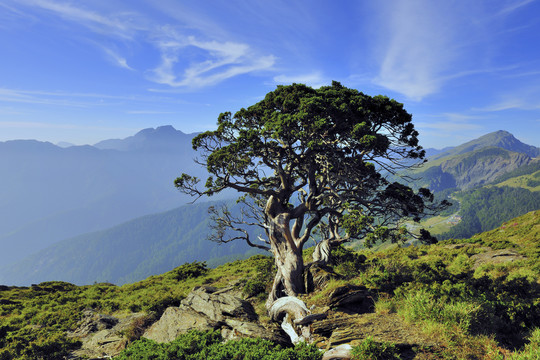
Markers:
<point>372,350</point>
<point>190,270</point>
<point>199,345</point>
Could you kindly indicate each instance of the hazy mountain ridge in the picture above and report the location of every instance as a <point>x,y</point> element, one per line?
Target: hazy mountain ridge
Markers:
<point>50,193</point>
<point>162,138</point>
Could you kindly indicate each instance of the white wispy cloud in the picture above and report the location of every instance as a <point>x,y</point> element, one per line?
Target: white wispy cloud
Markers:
<point>423,45</point>
<point>36,97</point>
<point>518,96</point>
<point>513,6</point>
<point>219,61</point>
<point>450,122</point>
<point>449,129</point>
<point>148,112</point>
<point>512,103</point>
<point>417,46</point>
<point>116,58</point>
<point>119,24</point>
<point>73,99</point>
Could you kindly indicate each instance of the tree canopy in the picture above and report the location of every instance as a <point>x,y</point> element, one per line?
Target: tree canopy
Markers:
<point>313,158</point>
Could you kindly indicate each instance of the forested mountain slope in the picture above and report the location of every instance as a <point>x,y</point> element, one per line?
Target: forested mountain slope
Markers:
<point>128,252</point>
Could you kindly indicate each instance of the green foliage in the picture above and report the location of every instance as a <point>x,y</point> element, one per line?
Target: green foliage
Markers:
<point>439,287</point>
<point>346,262</point>
<point>191,270</point>
<point>326,148</point>
<point>30,343</point>
<point>34,320</point>
<point>422,304</point>
<point>486,208</point>
<point>531,349</point>
<point>372,350</point>
<point>264,272</point>
<point>197,345</point>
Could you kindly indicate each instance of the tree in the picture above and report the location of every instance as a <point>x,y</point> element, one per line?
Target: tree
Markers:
<point>306,159</point>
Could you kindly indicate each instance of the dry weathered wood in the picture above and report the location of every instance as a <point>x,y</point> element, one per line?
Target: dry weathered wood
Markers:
<point>288,305</point>
<point>357,298</point>
<point>341,352</point>
<point>309,319</point>
<point>288,309</point>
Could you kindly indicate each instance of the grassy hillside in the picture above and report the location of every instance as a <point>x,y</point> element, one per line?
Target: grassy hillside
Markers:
<point>459,299</point>
<point>530,182</point>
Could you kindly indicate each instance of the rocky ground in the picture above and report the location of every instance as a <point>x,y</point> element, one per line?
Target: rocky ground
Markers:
<point>348,318</point>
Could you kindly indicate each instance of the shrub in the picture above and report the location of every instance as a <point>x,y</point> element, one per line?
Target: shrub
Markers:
<point>372,350</point>
<point>190,270</point>
<point>254,287</point>
<point>264,273</point>
<point>423,305</point>
<point>198,345</point>
<point>531,350</point>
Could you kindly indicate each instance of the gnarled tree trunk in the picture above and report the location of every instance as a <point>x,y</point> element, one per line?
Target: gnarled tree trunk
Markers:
<point>288,259</point>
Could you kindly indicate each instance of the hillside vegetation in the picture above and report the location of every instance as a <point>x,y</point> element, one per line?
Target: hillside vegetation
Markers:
<point>128,252</point>
<point>477,298</point>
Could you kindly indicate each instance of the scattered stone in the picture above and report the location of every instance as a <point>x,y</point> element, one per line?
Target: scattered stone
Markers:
<point>218,304</point>
<point>102,336</point>
<point>496,257</point>
<point>317,275</point>
<point>308,319</point>
<point>176,321</point>
<point>342,328</point>
<point>93,322</point>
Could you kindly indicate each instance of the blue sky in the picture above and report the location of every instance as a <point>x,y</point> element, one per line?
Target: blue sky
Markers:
<point>87,70</point>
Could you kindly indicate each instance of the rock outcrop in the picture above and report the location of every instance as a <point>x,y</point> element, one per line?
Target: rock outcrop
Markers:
<point>207,308</point>
<point>496,257</point>
<point>103,336</point>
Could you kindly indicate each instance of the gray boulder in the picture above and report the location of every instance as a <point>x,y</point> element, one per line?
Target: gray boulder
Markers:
<point>207,308</point>
<point>103,336</point>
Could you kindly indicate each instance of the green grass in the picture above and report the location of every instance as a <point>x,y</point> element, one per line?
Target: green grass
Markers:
<point>491,311</point>
<point>530,182</point>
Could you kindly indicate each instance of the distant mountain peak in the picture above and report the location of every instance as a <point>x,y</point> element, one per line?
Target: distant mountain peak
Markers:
<point>160,130</point>
<point>501,138</point>
<point>153,139</point>
<point>167,128</point>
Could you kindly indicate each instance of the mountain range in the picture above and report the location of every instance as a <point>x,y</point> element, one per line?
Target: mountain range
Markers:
<point>475,163</point>
<point>63,205</point>
<point>50,193</point>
